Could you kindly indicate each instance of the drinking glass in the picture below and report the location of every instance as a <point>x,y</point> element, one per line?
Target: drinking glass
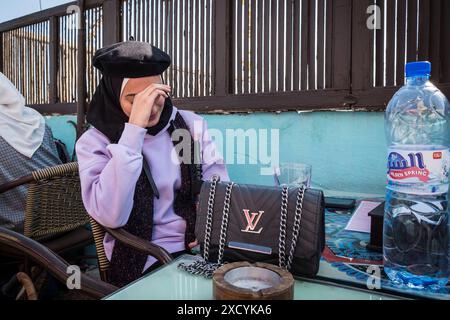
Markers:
<point>293,174</point>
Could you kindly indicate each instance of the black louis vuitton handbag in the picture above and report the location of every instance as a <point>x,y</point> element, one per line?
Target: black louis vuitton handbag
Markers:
<point>278,225</point>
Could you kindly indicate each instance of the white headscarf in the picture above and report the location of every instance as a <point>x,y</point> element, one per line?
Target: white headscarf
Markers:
<point>124,83</point>
<point>21,127</point>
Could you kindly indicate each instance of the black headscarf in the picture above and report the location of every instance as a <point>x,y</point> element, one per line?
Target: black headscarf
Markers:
<point>128,59</point>
<point>106,115</point>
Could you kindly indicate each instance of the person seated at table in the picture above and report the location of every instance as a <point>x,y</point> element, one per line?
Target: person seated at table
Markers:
<point>26,144</point>
<point>129,175</point>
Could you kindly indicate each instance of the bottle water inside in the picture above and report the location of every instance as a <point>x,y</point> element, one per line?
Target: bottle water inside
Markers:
<point>416,223</point>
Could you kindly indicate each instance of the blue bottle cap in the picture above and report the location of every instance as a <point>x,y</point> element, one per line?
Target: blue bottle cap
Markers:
<point>420,68</point>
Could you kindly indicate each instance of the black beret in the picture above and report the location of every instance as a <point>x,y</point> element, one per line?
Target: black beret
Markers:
<point>131,59</point>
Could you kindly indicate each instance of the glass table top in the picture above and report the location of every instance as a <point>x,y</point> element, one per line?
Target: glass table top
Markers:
<point>171,283</point>
<point>346,268</point>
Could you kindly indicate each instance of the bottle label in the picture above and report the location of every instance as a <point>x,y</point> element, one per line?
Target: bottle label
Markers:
<point>425,167</point>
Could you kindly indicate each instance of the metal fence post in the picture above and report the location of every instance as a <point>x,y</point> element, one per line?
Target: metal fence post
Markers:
<point>221,40</point>
<point>81,74</point>
<point>111,22</point>
<point>54,59</point>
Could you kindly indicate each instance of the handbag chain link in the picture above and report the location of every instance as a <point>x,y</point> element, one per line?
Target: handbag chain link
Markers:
<point>206,269</point>
<point>295,229</point>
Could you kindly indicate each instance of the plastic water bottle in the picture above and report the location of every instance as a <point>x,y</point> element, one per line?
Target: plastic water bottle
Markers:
<point>416,230</point>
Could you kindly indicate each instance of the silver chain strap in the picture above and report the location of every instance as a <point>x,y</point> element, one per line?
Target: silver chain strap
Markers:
<point>204,267</point>
<point>224,226</point>
<point>209,214</point>
<point>283,219</point>
<point>296,227</point>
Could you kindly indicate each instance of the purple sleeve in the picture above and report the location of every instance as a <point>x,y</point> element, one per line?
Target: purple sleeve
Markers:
<point>109,172</point>
<point>212,160</point>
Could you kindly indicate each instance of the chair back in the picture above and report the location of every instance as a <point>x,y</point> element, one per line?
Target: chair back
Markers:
<point>54,205</point>
<point>103,262</point>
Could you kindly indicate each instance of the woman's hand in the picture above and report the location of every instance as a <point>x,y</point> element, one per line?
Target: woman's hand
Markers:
<point>143,103</point>
<point>193,244</point>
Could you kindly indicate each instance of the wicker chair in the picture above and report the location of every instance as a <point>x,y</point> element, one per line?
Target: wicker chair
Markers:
<point>51,262</point>
<point>54,213</point>
<point>55,224</point>
<point>128,239</point>
<point>54,207</point>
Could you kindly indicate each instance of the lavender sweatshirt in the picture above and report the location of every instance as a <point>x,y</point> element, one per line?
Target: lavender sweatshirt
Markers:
<point>109,172</point>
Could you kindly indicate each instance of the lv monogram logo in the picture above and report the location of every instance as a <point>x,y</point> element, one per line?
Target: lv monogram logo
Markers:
<point>252,221</point>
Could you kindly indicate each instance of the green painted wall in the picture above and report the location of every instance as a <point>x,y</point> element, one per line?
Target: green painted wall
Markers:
<point>347,150</point>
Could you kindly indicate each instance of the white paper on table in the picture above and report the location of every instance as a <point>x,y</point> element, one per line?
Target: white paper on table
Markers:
<point>360,221</point>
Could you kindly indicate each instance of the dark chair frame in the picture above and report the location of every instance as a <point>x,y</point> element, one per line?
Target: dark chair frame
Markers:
<point>56,238</point>
<point>51,262</point>
<point>98,230</point>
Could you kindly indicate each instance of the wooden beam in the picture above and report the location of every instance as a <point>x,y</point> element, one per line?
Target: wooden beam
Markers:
<point>57,108</point>
<point>304,45</point>
<point>435,39</point>
<point>341,44</point>
<point>54,59</point>
<point>391,42</point>
<point>276,101</point>
<point>424,29</point>
<point>401,41</point>
<point>374,99</point>
<point>379,46</point>
<point>222,18</point>
<point>111,22</point>
<point>81,67</point>
<point>378,98</point>
<point>445,44</point>
<point>411,41</point>
<point>362,44</point>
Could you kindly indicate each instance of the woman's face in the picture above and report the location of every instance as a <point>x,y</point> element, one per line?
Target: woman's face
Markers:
<point>135,86</point>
